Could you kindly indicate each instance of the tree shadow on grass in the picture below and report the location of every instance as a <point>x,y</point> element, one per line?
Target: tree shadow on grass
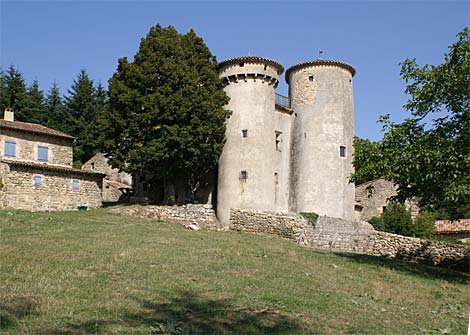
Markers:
<point>13,310</point>
<point>188,313</point>
<point>419,270</point>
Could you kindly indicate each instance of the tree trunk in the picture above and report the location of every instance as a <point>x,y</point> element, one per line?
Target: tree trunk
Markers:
<point>169,197</point>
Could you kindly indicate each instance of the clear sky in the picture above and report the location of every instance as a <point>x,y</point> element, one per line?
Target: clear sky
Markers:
<point>53,40</point>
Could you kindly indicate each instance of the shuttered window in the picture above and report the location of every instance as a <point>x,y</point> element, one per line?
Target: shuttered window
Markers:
<point>10,149</point>
<point>37,181</point>
<point>75,185</point>
<point>43,154</point>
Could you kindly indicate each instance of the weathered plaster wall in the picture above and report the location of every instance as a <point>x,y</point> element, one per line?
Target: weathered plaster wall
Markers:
<point>60,149</point>
<point>55,193</point>
<point>252,107</point>
<point>323,121</point>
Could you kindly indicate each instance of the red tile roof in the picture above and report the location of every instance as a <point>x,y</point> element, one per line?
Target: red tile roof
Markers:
<point>50,167</point>
<point>456,226</point>
<point>33,128</point>
<point>117,184</point>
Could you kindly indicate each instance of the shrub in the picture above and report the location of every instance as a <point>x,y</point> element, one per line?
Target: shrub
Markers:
<point>377,223</point>
<point>311,217</point>
<point>425,225</point>
<point>397,219</point>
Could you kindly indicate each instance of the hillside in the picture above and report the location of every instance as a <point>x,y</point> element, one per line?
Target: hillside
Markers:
<point>94,272</point>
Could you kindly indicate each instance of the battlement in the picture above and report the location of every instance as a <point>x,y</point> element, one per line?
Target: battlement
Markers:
<point>319,62</point>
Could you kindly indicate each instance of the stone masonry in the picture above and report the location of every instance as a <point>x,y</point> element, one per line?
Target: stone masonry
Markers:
<point>191,216</point>
<point>350,236</point>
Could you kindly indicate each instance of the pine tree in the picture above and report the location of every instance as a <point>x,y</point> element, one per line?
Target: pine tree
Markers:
<point>56,111</point>
<point>83,105</point>
<point>3,91</point>
<point>166,109</point>
<point>34,109</point>
<point>15,95</point>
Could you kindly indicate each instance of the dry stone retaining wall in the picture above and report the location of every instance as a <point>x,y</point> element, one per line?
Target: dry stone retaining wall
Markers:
<point>192,215</point>
<point>342,235</point>
<point>286,225</point>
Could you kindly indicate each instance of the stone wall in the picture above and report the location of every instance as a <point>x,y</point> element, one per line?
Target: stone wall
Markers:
<point>18,190</point>
<point>191,215</point>
<point>60,149</point>
<point>373,196</point>
<point>286,225</point>
<point>350,236</point>
<point>418,250</point>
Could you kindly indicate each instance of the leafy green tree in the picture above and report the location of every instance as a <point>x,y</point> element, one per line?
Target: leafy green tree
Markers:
<point>82,107</point>
<point>369,161</point>
<point>34,109</point>
<point>428,153</point>
<point>166,110</point>
<point>14,93</point>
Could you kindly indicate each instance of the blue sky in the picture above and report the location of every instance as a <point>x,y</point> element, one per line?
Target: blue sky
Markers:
<point>53,40</point>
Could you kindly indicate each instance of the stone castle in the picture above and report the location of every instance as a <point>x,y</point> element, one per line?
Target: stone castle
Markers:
<point>287,154</point>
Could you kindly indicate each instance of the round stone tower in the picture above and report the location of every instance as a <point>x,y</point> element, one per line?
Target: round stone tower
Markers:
<point>246,176</point>
<point>322,138</point>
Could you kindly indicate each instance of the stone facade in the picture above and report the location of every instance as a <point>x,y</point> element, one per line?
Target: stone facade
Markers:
<point>56,192</point>
<point>116,185</point>
<point>191,216</point>
<point>36,170</point>
<point>291,156</point>
<point>373,196</point>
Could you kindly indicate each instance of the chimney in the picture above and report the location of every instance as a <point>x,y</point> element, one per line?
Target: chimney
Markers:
<point>9,115</point>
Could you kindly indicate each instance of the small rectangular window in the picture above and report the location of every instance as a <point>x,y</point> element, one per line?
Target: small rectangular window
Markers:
<point>43,153</point>
<point>37,181</point>
<point>75,185</point>
<point>278,140</point>
<point>10,149</point>
<point>311,78</point>
<point>243,175</point>
<point>245,132</point>
<point>342,151</point>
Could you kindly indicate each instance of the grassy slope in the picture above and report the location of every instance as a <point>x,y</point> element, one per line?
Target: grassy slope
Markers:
<point>95,272</point>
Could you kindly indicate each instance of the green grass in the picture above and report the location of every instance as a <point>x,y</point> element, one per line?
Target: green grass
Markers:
<point>94,272</point>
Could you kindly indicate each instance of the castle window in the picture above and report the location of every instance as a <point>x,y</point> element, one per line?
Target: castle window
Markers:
<point>311,78</point>
<point>92,166</point>
<point>243,175</point>
<point>10,149</point>
<point>278,140</point>
<point>245,132</point>
<point>37,181</point>
<point>75,185</point>
<point>43,153</point>
<point>342,151</point>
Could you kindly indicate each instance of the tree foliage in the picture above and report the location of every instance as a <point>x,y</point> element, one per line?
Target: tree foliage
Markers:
<point>427,155</point>
<point>83,106</point>
<point>166,109</point>
<point>369,161</point>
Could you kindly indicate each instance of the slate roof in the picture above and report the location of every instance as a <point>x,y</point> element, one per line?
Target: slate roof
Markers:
<point>33,128</point>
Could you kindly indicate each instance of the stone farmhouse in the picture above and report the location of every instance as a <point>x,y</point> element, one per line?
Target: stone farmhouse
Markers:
<point>287,154</point>
<point>116,184</point>
<point>36,170</point>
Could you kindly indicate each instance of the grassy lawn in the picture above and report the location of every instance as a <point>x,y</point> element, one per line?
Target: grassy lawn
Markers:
<point>99,273</point>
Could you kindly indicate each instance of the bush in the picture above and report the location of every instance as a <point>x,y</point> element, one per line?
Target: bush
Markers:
<point>377,223</point>
<point>397,219</point>
<point>425,225</point>
<point>311,217</point>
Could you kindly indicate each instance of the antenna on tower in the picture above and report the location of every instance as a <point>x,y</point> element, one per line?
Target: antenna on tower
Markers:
<point>320,53</point>
<point>249,53</point>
